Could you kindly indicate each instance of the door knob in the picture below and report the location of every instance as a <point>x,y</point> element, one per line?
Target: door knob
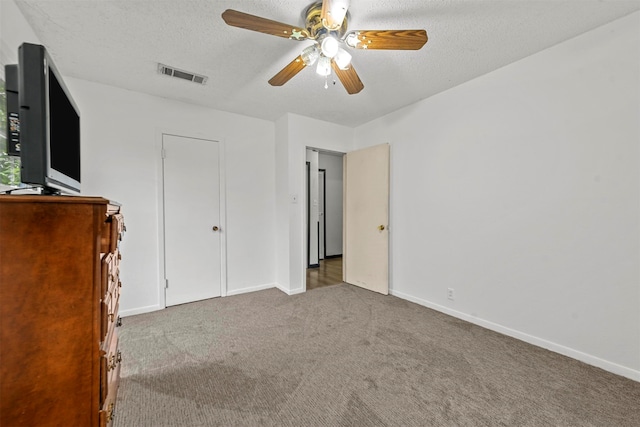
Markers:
<point>215,228</point>
<point>381,227</point>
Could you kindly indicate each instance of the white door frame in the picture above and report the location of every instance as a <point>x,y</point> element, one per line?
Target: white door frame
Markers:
<point>162,303</point>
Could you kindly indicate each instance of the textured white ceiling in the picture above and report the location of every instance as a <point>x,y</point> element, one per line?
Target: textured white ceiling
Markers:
<point>119,43</point>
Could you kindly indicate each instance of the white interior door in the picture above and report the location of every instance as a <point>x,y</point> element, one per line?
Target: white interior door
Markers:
<point>366,207</point>
<point>191,219</point>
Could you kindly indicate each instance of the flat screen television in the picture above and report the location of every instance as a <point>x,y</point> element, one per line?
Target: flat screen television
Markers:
<point>49,124</point>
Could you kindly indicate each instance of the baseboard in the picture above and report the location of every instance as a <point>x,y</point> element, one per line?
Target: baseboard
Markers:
<point>314,266</point>
<point>290,291</point>
<point>251,289</point>
<point>539,342</point>
<point>149,309</point>
<point>140,310</point>
<point>332,256</point>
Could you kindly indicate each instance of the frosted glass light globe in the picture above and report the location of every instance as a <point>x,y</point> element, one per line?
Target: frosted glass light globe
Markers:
<point>329,47</point>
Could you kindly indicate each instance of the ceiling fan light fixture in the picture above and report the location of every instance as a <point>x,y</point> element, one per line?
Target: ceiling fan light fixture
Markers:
<point>343,59</point>
<point>310,55</point>
<point>329,47</point>
<point>324,66</point>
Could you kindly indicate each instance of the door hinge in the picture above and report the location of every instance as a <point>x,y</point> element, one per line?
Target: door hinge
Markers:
<point>166,283</point>
<point>164,153</point>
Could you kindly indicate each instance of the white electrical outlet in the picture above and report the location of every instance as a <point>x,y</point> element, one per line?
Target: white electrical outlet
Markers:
<point>450,294</point>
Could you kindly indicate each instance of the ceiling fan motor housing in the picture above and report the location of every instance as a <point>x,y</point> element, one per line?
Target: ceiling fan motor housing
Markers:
<point>315,26</point>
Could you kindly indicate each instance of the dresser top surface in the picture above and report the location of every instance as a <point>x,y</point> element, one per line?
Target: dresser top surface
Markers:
<point>36,198</point>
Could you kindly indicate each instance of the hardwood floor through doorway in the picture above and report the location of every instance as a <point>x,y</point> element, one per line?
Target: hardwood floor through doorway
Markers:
<point>329,273</point>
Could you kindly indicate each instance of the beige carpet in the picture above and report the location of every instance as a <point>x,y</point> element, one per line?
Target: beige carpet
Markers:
<point>343,356</point>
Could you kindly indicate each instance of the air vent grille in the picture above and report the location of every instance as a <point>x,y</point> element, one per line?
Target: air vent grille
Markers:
<point>181,74</point>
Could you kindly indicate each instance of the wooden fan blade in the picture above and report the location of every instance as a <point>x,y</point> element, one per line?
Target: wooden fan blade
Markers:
<point>389,39</point>
<point>349,78</point>
<point>290,70</point>
<point>333,13</point>
<point>263,25</point>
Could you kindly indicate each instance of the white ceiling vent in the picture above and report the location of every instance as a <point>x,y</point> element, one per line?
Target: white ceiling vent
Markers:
<point>181,74</point>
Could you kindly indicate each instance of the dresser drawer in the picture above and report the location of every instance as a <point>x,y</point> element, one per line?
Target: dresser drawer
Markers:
<point>110,318</point>
<point>113,316</point>
<point>114,290</point>
<point>105,236</point>
<point>115,263</point>
<point>114,360</point>
<point>106,275</point>
<point>108,315</point>
<point>110,358</point>
<point>109,271</point>
<point>108,408</point>
<point>119,221</point>
<point>117,231</point>
<point>112,231</point>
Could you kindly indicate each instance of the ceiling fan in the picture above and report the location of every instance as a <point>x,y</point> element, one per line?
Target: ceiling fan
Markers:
<point>326,25</point>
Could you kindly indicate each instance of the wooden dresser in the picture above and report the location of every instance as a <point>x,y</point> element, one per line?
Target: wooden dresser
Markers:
<point>59,294</point>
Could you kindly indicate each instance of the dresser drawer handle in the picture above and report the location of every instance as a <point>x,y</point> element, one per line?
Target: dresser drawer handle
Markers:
<point>112,363</point>
<point>114,360</point>
<point>111,412</point>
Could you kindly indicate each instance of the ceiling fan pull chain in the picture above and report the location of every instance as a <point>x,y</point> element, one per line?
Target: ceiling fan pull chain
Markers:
<point>326,79</point>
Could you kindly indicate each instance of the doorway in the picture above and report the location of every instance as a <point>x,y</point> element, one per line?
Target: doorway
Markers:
<point>324,217</point>
<point>192,222</point>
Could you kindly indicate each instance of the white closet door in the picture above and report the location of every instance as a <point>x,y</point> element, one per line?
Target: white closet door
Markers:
<point>191,219</point>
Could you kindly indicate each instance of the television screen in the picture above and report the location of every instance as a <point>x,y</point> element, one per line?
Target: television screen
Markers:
<point>64,131</point>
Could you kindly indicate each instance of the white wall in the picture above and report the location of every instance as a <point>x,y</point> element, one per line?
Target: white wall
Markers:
<point>14,30</point>
<point>284,198</point>
<point>520,190</point>
<point>332,164</point>
<point>121,134</point>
